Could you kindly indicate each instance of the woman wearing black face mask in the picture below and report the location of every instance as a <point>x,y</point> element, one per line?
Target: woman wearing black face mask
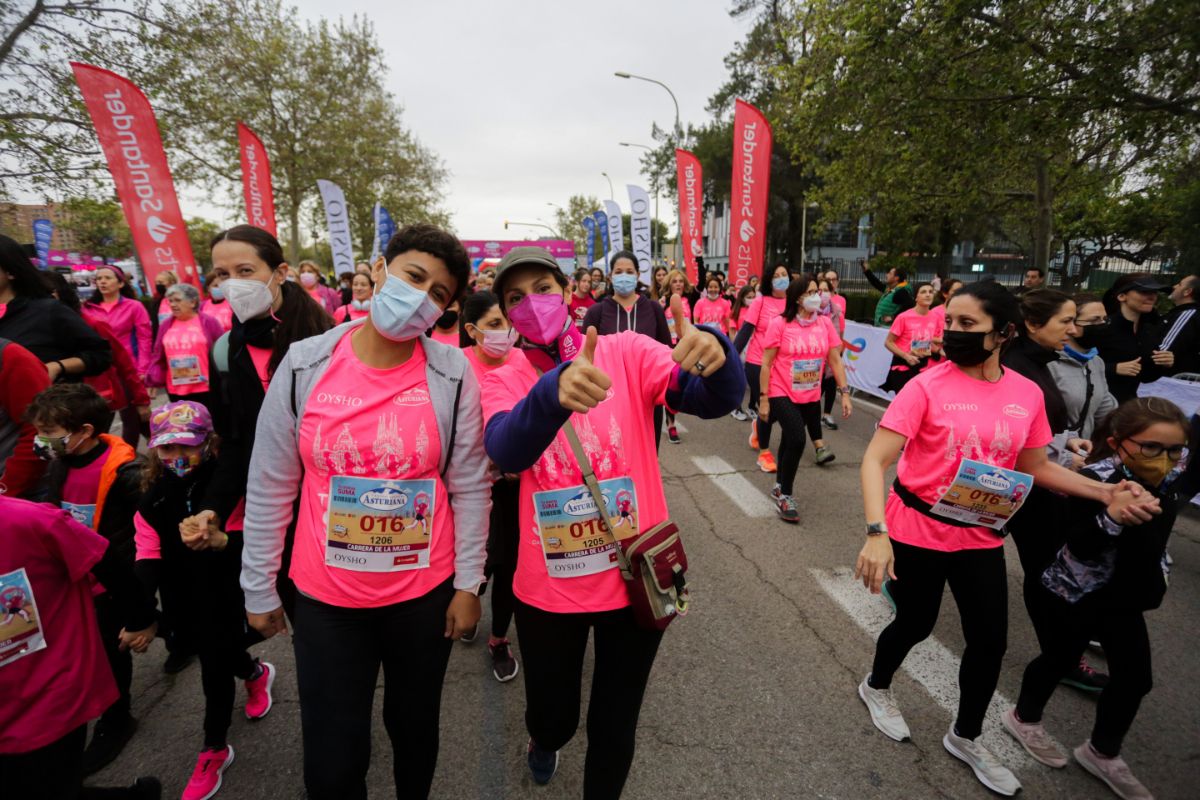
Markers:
<point>958,430</point>
<point>445,330</point>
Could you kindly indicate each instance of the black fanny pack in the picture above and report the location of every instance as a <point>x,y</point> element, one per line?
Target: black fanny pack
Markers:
<point>917,504</point>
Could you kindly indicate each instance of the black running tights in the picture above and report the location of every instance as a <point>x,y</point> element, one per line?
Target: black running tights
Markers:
<point>793,419</point>
<point>763,427</point>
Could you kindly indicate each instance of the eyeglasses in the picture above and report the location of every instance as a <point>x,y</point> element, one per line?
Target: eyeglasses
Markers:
<point>1155,449</point>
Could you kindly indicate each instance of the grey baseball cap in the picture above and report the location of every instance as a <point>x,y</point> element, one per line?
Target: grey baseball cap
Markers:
<point>520,256</point>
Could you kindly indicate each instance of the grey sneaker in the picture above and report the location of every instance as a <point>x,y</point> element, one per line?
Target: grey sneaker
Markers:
<point>739,415</point>
<point>1113,771</point>
<point>828,421</point>
<point>786,507</point>
<point>988,769</point>
<point>1033,737</point>
<point>885,714</point>
<point>824,456</point>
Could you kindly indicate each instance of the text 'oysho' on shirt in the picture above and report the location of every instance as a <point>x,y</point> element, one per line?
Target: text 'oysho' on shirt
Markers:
<point>948,416</point>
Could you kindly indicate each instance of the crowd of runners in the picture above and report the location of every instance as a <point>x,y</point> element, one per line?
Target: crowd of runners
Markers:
<point>364,466</point>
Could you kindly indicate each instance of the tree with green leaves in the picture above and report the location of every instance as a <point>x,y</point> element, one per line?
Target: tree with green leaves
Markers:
<point>98,225</point>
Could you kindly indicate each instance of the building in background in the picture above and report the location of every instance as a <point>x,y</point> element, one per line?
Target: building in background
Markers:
<point>16,221</point>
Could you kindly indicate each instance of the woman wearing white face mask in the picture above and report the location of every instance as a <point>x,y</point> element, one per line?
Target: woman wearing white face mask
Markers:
<point>487,341</point>
<point>798,347</point>
<point>310,279</point>
<point>377,429</point>
<point>360,300</point>
<point>270,313</point>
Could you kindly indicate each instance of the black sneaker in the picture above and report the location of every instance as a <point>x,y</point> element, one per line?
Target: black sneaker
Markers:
<point>504,664</point>
<point>146,788</point>
<point>673,435</point>
<point>108,740</point>
<point>542,763</point>
<point>828,421</point>
<point>1086,679</point>
<point>469,637</point>
<point>787,509</point>
<point>177,662</point>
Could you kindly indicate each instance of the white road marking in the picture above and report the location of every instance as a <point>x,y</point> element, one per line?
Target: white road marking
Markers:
<point>744,494</point>
<point>679,426</point>
<point>930,663</point>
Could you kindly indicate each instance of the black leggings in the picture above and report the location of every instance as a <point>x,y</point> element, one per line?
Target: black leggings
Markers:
<point>221,661</point>
<point>977,581</point>
<point>108,617</point>
<point>54,772</point>
<point>338,655</point>
<point>793,419</point>
<point>503,535</point>
<point>762,427</point>
<point>828,393</point>
<point>553,646</point>
<point>1127,648</point>
<point>1039,532</point>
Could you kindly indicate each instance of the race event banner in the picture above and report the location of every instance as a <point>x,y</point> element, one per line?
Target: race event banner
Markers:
<point>689,176</point>
<point>338,221</point>
<point>256,180</point>
<point>639,230</point>
<point>385,229</point>
<point>866,358</point>
<point>601,219</point>
<point>589,227</point>
<point>616,231</point>
<point>128,134</point>
<point>748,194</point>
<point>43,234</point>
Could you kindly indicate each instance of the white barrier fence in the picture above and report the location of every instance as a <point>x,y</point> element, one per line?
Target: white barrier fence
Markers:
<point>867,360</point>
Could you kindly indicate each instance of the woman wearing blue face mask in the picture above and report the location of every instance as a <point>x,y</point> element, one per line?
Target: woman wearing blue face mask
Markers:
<point>762,311</point>
<point>377,430</point>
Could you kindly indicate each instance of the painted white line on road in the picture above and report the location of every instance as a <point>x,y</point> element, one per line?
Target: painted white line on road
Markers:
<point>930,663</point>
<point>679,426</point>
<point>745,495</point>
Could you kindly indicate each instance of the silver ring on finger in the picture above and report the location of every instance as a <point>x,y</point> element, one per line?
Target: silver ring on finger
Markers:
<point>701,366</point>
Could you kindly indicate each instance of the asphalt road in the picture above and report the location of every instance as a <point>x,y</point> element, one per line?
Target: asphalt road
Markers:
<point>753,694</point>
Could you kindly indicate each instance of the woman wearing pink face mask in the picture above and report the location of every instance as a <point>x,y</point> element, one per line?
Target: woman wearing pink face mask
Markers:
<point>310,279</point>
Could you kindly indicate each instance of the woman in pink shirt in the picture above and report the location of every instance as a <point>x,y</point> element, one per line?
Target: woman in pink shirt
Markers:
<point>965,417</point>
<point>360,300</point>
<point>915,339</point>
<point>116,303</point>
<point>677,286</point>
<point>607,387</point>
<point>216,306</point>
<point>800,344</point>
<point>712,308</point>
<point>181,360</point>
<point>372,433</point>
<point>833,306</point>
<point>309,276</point>
<point>765,308</point>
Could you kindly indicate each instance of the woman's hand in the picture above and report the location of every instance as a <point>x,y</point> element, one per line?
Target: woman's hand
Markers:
<point>912,359</point>
<point>1130,369</point>
<point>1164,358</point>
<point>268,624</point>
<point>697,351</point>
<point>152,391</point>
<point>462,614</point>
<point>764,407</point>
<point>847,406</point>
<point>582,386</point>
<point>54,369</point>
<point>1126,509</point>
<point>137,641</point>
<point>875,562</point>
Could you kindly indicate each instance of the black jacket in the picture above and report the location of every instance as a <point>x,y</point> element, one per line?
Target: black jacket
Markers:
<point>120,504</point>
<point>1181,335</point>
<point>1027,357</point>
<point>53,332</point>
<point>646,317</point>
<point>1118,342</point>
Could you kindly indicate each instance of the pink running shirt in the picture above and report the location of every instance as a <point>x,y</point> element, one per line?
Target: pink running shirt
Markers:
<point>909,327</point>
<point>946,417</point>
<point>372,423</point>
<point>618,437</point>
<point>761,312</point>
<point>687,312</point>
<point>445,337</point>
<point>803,350</point>
<point>186,350</point>
<point>515,357</point>
<point>711,312</point>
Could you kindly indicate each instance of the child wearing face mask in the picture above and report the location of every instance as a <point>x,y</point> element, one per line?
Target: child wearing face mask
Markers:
<point>1108,574</point>
<point>197,577</point>
<point>97,479</point>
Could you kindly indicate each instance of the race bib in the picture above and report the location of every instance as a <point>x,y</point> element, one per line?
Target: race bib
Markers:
<point>806,373</point>
<point>83,513</point>
<point>20,624</point>
<point>984,495</point>
<point>185,370</point>
<point>378,525</point>
<point>919,345</point>
<point>574,542</point>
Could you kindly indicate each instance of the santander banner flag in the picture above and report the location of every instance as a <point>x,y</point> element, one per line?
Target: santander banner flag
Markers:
<point>691,210</point>
<point>256,180</point>
<point>128,134</point>
<point>748,195</point>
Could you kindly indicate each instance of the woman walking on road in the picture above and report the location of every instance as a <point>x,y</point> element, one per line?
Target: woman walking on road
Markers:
<point>765,308</point>
<point>606,386</point>
<point>960,430</point>
<point>799,346</point>
<point>915,340</point>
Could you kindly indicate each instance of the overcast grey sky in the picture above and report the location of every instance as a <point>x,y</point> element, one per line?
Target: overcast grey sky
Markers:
<point>519,100</point>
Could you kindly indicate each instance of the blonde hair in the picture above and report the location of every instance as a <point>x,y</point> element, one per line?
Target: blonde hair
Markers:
<point>687,285</point>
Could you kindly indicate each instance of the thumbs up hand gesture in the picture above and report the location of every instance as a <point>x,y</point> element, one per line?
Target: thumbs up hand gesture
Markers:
<point>583,385</point>
<point>697,351</point>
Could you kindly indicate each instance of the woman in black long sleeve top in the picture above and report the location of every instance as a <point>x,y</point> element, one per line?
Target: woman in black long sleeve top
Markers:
<point>1134,331</point>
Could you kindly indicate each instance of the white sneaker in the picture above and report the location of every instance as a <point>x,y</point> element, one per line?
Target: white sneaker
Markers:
<point>1033,737</point>
<point>1114,772</point>
<point>988,769</point>
<point>884,711</point>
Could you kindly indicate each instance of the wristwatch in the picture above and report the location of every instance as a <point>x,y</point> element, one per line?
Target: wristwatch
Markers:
<point>843,389</point>
<point>876,528</point>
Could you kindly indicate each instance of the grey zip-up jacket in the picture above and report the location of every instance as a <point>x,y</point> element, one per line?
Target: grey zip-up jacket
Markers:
<point>276,471</point>
<point>1071,376</point>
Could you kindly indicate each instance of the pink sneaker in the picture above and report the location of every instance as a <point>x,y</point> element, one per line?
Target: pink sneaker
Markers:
<point>206,778</point>
<point>258,692</point>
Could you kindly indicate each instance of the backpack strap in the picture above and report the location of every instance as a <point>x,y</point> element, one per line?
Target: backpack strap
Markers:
<point>220,353</point>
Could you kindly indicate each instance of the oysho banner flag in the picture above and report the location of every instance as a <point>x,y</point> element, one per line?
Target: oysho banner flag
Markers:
<point>751,179</point>
<point>689,176</point>
<point>589,227</point>
<point>128,134</point>
<point>43,233</point>
<point>256,180</point>
<point>639,231</point>
<point>616,229</point>
<point>338,221</point>
<point>385,228</point>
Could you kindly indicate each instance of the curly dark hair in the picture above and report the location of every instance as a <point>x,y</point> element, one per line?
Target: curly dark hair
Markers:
<point>70,406</point>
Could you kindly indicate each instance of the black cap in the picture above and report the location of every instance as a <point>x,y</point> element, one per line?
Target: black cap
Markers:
<point>1145,285</point>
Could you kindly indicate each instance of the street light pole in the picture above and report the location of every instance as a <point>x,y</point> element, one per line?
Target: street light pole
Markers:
<point>611,195</point>
<point>804,233</point>
<point>678,138</point>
